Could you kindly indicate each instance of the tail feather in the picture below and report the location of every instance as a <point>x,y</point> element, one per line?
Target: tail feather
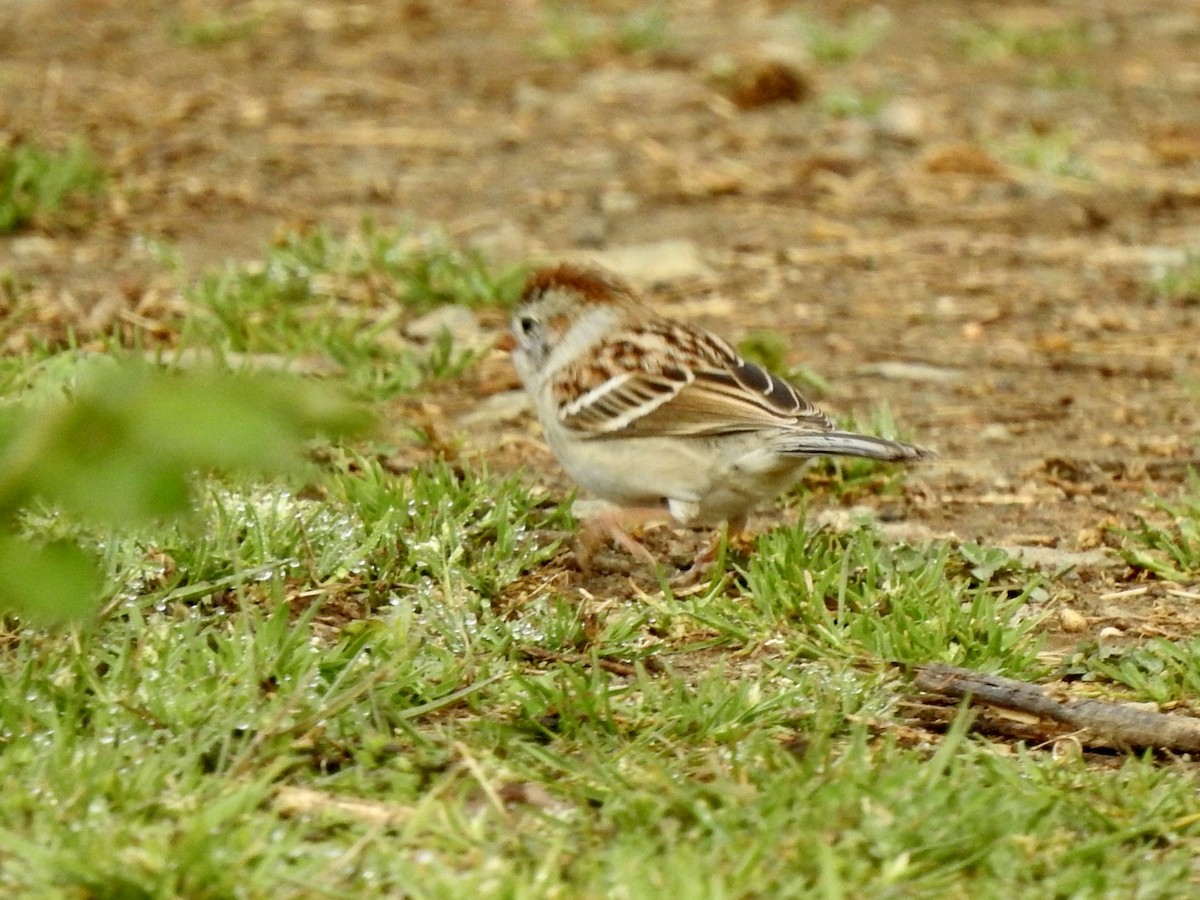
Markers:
<point>847,443</point>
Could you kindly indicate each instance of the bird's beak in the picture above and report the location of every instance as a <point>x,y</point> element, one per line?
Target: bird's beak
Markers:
<point>506,342</point>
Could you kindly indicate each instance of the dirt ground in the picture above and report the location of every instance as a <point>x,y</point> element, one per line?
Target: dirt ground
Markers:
<point>968,235</point>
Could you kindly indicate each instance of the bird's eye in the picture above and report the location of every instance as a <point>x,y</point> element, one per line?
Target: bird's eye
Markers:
<point>527,324</point>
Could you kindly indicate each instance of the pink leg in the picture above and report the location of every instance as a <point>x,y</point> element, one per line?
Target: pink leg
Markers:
<point>736,533</point>
<point>612,524</point>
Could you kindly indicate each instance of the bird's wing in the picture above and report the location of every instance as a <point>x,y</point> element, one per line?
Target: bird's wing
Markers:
<point>664,378</point>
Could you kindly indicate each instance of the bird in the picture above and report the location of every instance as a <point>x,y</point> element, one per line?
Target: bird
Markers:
<point>659,417</point>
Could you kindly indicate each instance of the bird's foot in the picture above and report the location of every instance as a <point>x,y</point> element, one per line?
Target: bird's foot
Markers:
<point>613,524</point>
<point>732,537</point>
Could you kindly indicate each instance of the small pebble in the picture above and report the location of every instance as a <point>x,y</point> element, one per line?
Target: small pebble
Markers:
<point>903,119</point>
<point>995,433</point>
<point>1072,621</point>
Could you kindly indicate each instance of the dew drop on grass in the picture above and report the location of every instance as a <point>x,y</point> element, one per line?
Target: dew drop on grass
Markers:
<point>528,631</point>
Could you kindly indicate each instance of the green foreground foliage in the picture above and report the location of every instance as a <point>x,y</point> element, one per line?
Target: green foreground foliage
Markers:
<point>348,681</point>
<point>120,445</point>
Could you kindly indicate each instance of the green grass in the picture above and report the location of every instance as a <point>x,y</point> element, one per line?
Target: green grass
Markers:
<point>989,42</point>
<point>858,35</point>
<point>1052,152</point>
<point>152,747</point>
<point>1159,671</point>
<point>213,30</point>
<point>13,309</point>
<point>644,31</point>
<point>341,301</point>
<point>844,101</point>
<point>46,189</point>
<point>1049,76</point>
<point>1178,284</point>
<point>572,30</point>
<point>853,596</point>
<point>1166,542</point>
<point>357,679</point>
<point>567,32</point>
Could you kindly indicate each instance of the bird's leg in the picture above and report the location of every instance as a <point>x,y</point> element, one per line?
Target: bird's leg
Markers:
<point>733,532</point>
<point>613,524</point>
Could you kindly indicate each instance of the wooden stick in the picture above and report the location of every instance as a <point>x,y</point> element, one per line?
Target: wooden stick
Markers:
<point>1112,724</point>
<point>615,666</point>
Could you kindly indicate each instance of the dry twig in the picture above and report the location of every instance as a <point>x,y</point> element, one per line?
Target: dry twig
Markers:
<point>616,667</point>
<point>1096,722</point>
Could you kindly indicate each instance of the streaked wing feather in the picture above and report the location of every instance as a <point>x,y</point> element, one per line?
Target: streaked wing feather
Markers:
<point>621,400</point>
<point>719,402</point>
<point>718,393</point>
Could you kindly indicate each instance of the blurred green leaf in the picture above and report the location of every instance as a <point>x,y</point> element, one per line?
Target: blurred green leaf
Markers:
<point>121,442</point>
<point>47,583</point>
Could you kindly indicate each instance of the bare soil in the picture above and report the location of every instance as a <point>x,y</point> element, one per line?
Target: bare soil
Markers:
<point>1058,387</point>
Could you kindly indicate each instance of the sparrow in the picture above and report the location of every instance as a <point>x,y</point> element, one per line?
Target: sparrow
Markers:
<point>661,418</point>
